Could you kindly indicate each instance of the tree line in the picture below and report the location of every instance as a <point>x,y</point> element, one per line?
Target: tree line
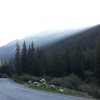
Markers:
<point>37,62</point>
<point>85,64</point>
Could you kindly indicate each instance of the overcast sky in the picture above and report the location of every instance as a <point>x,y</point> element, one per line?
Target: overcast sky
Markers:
<point>20,18</point>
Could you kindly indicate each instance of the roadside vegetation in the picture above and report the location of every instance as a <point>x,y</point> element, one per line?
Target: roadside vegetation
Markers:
<point>69,85</point>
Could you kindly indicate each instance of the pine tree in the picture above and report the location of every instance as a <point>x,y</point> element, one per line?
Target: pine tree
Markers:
<point>31,58</point>
<point>97,61</point>
<point>42,62</point>
<point>78,61</point>
<point>29,55</point>
<point>32,49</point>
<point>18,59</point>
<point>67,65</point>
<point>24,58</point>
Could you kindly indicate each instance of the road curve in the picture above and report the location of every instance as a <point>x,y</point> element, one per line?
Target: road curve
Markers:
<point>10,90</point>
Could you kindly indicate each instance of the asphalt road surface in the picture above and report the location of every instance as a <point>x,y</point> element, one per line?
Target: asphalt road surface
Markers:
<point>10,90</point>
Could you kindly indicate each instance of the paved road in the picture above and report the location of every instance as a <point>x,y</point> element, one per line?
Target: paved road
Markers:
<point>10,90</point>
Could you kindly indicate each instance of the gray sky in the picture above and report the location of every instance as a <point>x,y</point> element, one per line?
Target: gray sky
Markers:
<point>20,18</point>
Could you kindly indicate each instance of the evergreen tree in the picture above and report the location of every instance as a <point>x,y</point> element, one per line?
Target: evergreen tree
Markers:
<point>32,49</point>
<point>18,59</point>
<point>41,58</point>
<point>31,58</point>
<point>24,58</point>
<point>78,63</point>
<point>97,61</point>
<point>67,68</point>
<point>37,63</point>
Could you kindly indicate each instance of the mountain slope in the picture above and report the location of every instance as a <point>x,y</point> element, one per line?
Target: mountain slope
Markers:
<point>44,39</point>
<point>86,39</point>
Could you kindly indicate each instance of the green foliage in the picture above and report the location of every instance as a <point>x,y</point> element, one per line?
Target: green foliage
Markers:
<point>5,68</point>
<point>71,82</point>
<point>90,89</point>
<point>56,81</point>
<point>31,58</point>
<point>4,76</point>
<point>27,77</point>
<point>97,60</point>
<point>56,64</point>
<point>66,91</point>
<point>18,60</point>
<point>24,58</point>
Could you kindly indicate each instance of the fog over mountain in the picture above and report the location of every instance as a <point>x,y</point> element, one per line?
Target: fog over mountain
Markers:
<point>40,40</point>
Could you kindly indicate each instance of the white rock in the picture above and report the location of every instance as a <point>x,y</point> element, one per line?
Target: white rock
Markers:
<point>30,82</point>
<point>38,84</point>
<point>43,81</point>
<point>61,90</point>
<point>44,84</point>
<point>52,87</point>
<point>35,83</point>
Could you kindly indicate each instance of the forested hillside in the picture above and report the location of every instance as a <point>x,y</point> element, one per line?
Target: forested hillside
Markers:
<point>78,55</point>
<point>75,54</point>
<point>85,38</point>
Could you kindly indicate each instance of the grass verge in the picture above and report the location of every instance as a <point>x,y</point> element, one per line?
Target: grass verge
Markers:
<point>65,91</point>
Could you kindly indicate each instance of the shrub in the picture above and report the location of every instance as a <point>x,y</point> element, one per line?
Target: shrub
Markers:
<point>0,75</point>
<point>47,78</point>
<point>71,82</point>
<point>56,81</point>
<point>35,79</point>
<point>27,77</point>
<point>90,89</point>
<point>4,75</point>
<point>14,76</point>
